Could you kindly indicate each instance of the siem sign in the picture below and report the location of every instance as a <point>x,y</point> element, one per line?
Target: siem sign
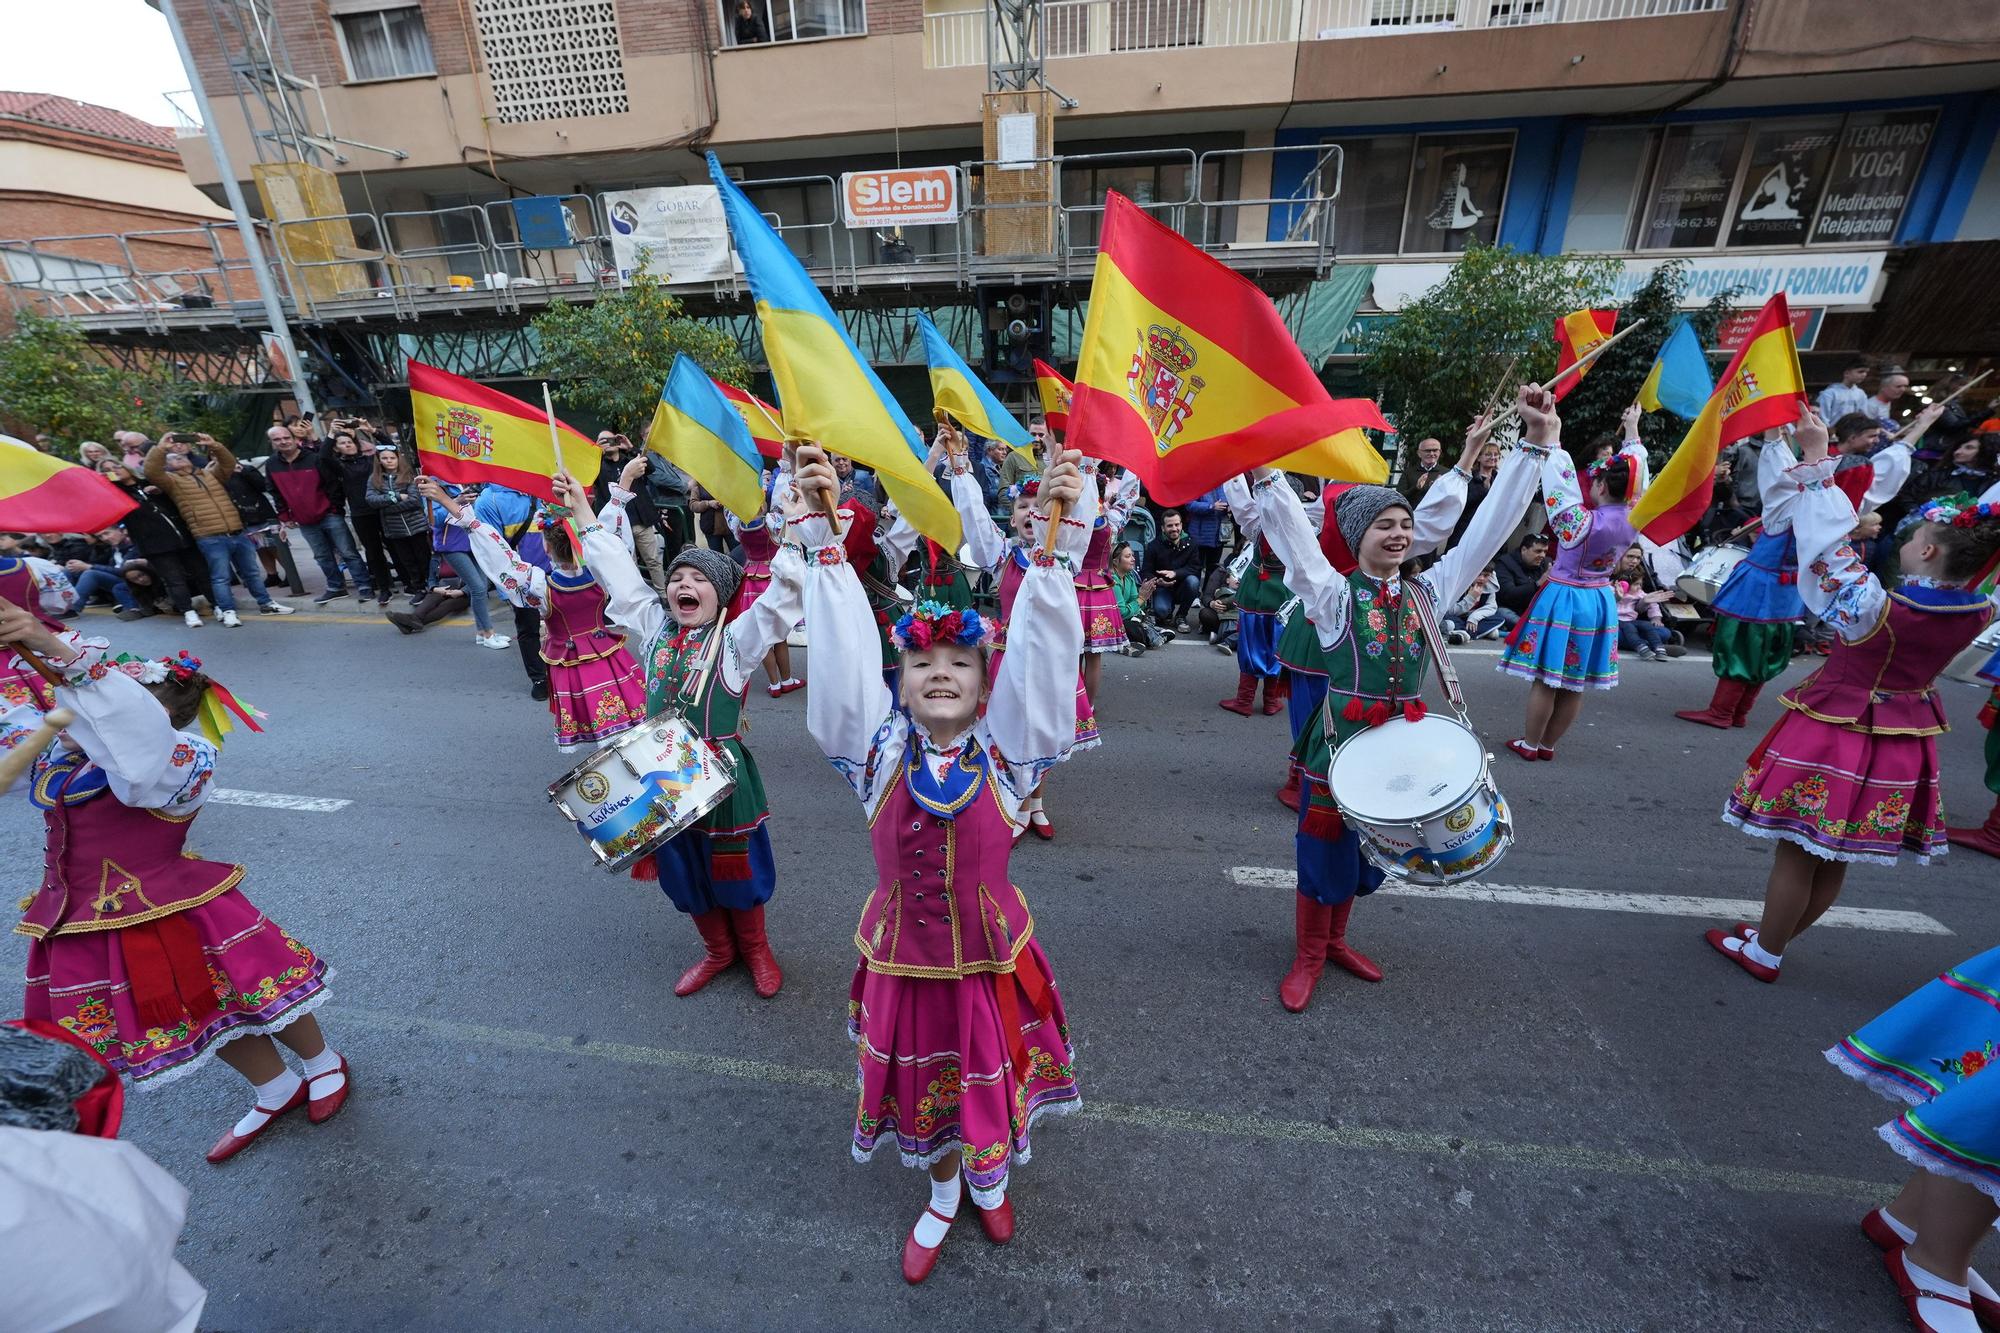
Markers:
<point>900,197</point>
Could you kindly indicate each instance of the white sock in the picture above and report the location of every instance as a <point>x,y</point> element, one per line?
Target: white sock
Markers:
<point>1757,953</point>
<point>944,1200</point>
<point>1980,1286</point>
<point>1937,1314</point>
<point>323,1071</point>
<point>1035,813</point>
<point>273,1094</point>
<point>1903,1233</point>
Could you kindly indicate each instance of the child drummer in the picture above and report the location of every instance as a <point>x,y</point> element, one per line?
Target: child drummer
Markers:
<point>720,872</point>
<point>959,1030</point>
<point>1360,601</point>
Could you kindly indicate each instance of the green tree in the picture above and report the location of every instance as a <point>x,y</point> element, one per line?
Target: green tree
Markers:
<point>1435,366</point>
<point>52,382</point>
<point>609,359</point>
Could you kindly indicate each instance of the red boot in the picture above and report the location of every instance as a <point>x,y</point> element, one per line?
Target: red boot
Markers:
<point>1985,838</point>
<point>1245,701</point>
<point>1744,703</point>
<point>721,947</point>
<point>1721,710</point>
<point>1312,921</point>
<point>748,927</point>
<point>1340,955</point>
<point>1288,795</point>
<point>1275,690</point>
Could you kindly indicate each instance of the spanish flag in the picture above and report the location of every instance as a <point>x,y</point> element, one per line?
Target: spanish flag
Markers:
<point>42,493</point>
<point>469,433</point>
<point>959,394</point>
<point>760,417</point>
<point>1056,394</point>
<point>1762,388</point>
<point>826,392</point>
<point>1187,375</point>
<point>699,431</point>
<point>1578,334</point>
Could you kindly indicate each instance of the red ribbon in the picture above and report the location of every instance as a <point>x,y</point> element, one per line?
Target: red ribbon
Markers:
<point>168,972</point>
<point>1027,978</point>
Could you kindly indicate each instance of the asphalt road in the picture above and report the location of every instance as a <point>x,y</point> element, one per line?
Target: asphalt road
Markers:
<point>1547,1118</point>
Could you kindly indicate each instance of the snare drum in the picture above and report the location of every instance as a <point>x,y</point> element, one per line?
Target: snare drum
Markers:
<point>1421,799</point>
<point>1972,658</point>
<point>1707,572</point>
<point>642,787</point>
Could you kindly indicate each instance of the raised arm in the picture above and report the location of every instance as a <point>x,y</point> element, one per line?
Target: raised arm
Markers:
<point>1281,520</point>
<point>1833,582</point>
<point>1569,518</point>
<point>1436,518</point>
<point>518,581</point>
<point>769,619</point>
<point>1513,489</point>
<point>1119,498</point>
<point>1892,472</point>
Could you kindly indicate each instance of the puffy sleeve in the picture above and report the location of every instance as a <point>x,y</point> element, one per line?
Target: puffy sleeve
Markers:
<point>767,622</point>
<point>1642,466</point>
<point>849,710</point>
<point>613,517</point>
<point>125,732</point>
<point>1030,722</point>
<point>1438,514</point>
<point>1506,500</point>
<point>1243,507</point>
<point>1892,472</point>
<point>1322,590</point>
<point>629,600</point>
<point>1833,582</point>
<point>1119,499</point>
<point>53,590</point>
<point>985,544</point>
<point>1569,518</point>
<point>896,538</point>
<point>1779,496</point>
<point>518,581</point>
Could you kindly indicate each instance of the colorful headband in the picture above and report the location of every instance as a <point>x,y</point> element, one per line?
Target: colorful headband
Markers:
<point>1026,490</point>
<point>929,623</point>
<point>1958,511</point>
<point>218,707</point>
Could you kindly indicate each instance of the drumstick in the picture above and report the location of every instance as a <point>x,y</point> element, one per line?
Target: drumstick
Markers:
<point>1576,367</point>
<point>15,762</point>
<point>1903,430</point>
<point>1500,388</point>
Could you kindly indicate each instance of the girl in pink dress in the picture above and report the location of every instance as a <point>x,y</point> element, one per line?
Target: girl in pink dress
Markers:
<point>149,955</point>
<point>758,548</point>
<point>960,1033</point>
<point>1096,600</point>
<point>596,690</point>
<point>1850,771</point>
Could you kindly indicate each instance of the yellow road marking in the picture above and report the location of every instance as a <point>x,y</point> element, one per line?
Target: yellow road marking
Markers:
<point>1177,1120</point>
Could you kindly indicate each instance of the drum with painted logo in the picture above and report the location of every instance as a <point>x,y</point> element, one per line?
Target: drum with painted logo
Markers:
<point>1421,798</point>
<point>1707,572</point>
<point>642,787</point>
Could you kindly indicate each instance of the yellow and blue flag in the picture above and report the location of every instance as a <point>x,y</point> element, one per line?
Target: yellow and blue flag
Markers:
<point>825,391</point>
<point>1679,381</point>
<point>958,392</point>
<point>700,432</point>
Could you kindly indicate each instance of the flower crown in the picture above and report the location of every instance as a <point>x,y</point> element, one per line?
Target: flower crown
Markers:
<point>929,623</point>
<point>1026,490</point>
<point>1592,470</point>
<point>1958,511</point>
<point>156,670</point>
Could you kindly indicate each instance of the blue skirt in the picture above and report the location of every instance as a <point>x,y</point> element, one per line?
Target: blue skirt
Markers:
<point>1935,1050</point>
<point>697,880</point>
<point>1257,643</point>
<point>1764,587</point>
<point>1568,640</point>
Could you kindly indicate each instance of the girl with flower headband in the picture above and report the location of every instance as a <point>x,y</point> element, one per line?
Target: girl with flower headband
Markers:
<point>959,1031</point>
<point>1568,640</point>
<point>759,545</point>
<point>595,689</point>
<point>1351,586</point>
<point>151,956</point>
<point>1849,772</point>
<point>1097,602</point>
<point>720,872</point>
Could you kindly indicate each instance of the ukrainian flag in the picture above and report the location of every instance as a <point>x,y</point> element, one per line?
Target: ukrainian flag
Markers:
<point>1679,381</point>
<point>825,391</point>
<point>958,393</point>
<point>700,432</point>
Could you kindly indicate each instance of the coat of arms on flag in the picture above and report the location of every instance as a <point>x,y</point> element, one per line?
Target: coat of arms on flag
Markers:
<point>463,433</point>
<point>1160,383</point>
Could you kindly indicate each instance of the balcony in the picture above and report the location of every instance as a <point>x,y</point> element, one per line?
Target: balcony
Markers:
<point>957,37</point>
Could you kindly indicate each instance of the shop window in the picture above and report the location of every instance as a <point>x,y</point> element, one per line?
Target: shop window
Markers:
<point>757,22</point>
<point>1458,185</point>
<point>1374,185</point>
<point>1607,183</point>
<point>1783,181</point>
<point>1871,175</point>
<point>385,43</point>
<point>1692,182</point>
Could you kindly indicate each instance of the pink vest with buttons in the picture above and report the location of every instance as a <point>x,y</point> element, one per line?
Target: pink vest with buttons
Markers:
<point>943,906</point>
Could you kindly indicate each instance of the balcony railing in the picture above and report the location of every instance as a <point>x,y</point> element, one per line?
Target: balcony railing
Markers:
<point>954,38</point>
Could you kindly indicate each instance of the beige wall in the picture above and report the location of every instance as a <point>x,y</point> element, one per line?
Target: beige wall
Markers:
<point>54,170</point>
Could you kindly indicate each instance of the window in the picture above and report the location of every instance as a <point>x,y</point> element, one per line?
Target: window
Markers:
<point>1421,194</point>
<point>1691,186</point>
<point>1607,182</point>
<point>1783,182</point>
<point>385,44</point>
<point>755,22</point>
<point>1165,189</point>
<point>552,59</point>
<point>1374,184</point>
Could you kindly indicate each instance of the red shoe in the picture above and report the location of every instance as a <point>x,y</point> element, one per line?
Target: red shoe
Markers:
<point>1545,753</point>
<point>1274,695</point>
<point>1877,1229</point>
<point>1744,703</point>
<point>229,1144</point>
<point>1340,955</point>
<point>788,686</point>
<point>1245,702</point>
<point>1040,826</point>
<point>918,1261</point>
<point>319,1110</point>
<point>721,952</point>
<point>1743,930</point>
<point>1312,922</point>
<point>1717,936</point>
<point>748,928</point>
<point>1985,838</point>
<point>1526,751</point>
<point>1721,710</point>
<point>1906,1286</point>
<point>997,1223</point>
<point>1288,795</point>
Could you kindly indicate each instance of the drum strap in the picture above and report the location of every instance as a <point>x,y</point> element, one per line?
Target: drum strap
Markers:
<point>1426,610</point>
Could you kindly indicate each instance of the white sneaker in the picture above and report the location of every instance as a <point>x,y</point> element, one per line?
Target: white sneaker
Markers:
<point>192,619</point>
<point>275,608</point>
<point>230,621</point>
<point>492,641</point>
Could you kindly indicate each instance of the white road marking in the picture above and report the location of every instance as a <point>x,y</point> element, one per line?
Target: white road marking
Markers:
<point>1594,900</point>
<point>277,800</point>
<point>1458,650</point>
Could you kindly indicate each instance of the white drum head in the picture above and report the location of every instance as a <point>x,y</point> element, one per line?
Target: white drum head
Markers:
<point>1403,771</point>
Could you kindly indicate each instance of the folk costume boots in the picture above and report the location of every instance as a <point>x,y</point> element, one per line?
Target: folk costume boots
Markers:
<point>1745,701</point>
<point>720,944</point>
<point>748,927</point>
<point>1985,838</point>
<point>1722,709</point>
<point>1245,702</point>
<point>1275,689</point>
<point>1288,795</point>
<point>1322,938</point>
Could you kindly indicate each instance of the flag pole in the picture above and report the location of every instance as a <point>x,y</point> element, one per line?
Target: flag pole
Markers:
<point>1576,367</point>
<point>1948,400</point>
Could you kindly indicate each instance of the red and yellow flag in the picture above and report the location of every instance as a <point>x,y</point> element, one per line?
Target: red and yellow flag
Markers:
<point>1056,395</point>
<point>467,432</point>
<point>1188,376</point>
<point>1762,388</point>
<point>1578,334</point>
<point>41,493</point>
<point>760,417</point>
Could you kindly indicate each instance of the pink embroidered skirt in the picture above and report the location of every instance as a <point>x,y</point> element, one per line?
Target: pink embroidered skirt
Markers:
<point>936,1075</point>
<point>756,578</point>
<point>1086,716</point>
<point>595,698</point>
<point>1842,795</point>
<point>1103,626</point>
<point>263,979</point>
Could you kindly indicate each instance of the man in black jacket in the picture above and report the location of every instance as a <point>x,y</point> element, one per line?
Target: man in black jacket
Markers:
<point>640,511</point>
<point>1176,562</point>
<point>1521,571</point>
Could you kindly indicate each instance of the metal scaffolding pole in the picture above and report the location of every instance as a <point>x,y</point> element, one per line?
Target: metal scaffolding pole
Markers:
<point>274,309</point>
